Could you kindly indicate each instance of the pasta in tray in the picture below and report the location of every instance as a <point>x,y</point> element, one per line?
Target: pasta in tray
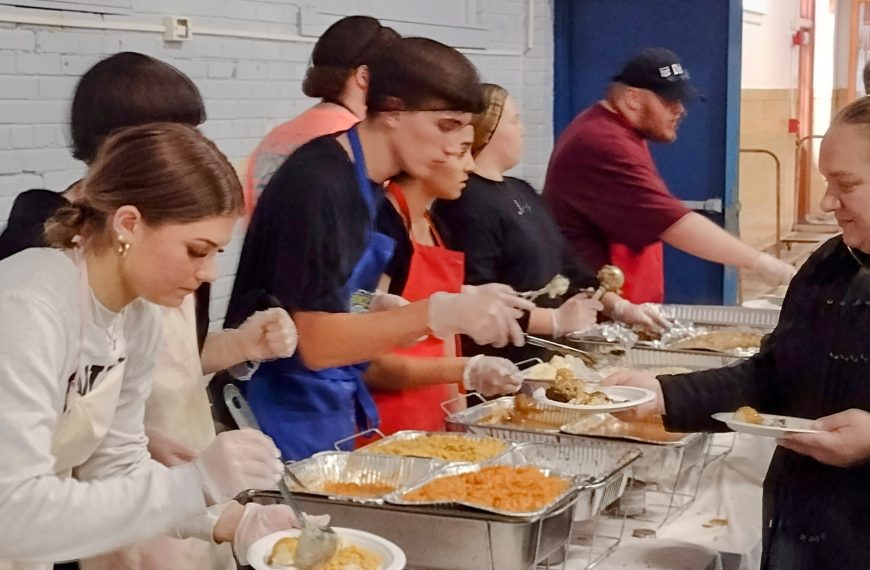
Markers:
<point>357,489</point>
<point>515,489</point>
<point>439,446</point>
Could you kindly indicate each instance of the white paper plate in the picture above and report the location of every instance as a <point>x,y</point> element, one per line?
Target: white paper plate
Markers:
<point>792,425</point>
<point>392,556</point>
<point>624,398</point>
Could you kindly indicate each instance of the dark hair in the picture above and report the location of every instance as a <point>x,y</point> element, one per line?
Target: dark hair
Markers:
<point>855,113</point>
<point>867,78</point>
<point>419,74</point>
<point>170,172</point>
<point>344,46</point>
<point>126,90</point>
<point>486,122</point>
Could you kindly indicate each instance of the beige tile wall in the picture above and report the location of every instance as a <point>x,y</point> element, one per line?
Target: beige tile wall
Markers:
<point>764,124</point>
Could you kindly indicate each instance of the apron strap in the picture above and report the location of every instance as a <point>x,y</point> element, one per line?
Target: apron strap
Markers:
<point>362,177</point>
<point>405,212</point>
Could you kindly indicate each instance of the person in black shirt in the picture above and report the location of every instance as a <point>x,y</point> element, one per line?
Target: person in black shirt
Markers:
<point>508,235</point>
<point>313,245</point>
<point>813,365</point>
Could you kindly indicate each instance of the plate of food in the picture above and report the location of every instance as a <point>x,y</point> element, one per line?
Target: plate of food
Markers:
<point>748,420</point>
<point>575,394</point>
<point>359,550</point>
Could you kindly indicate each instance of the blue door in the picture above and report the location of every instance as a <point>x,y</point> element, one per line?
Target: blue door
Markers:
<point>593,38</point>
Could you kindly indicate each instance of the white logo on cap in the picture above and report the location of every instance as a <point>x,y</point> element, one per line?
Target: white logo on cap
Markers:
<point>678,69</point>
<point>665,71</point>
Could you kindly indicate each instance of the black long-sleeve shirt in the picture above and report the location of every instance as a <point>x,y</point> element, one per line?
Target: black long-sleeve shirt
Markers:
<point>508,236</point>
<point>816,363</point>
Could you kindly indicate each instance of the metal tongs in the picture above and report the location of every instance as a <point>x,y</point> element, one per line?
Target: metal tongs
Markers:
<point>316,545</point>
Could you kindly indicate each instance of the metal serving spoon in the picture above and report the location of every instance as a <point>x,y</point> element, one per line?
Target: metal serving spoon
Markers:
<point>316,545</point>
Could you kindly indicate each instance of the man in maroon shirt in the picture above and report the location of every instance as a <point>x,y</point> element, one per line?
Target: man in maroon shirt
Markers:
<point>608,197</point>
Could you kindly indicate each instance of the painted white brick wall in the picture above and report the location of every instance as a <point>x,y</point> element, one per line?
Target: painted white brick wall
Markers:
<point>249,85</point>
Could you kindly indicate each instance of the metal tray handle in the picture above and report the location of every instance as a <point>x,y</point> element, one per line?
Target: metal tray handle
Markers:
<point>445,405</point>
<point>367,433</point>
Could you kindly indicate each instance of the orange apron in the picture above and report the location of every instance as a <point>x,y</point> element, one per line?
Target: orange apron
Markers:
<point>433,269</point>
<point>644,272</point>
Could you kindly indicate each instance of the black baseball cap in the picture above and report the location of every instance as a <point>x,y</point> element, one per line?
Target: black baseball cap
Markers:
<point>660,71</point>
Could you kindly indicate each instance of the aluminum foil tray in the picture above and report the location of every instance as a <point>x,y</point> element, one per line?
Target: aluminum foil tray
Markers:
<point>454,469</point>
<point>408,435</point>
<point>601,472</point>
<point>665,465</point>
<point>339,466</point>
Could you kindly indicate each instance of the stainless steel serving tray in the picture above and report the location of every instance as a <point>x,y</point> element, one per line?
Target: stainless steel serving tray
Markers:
<point>449,538</point>
<point>344,467</point>
<point>408,435</point>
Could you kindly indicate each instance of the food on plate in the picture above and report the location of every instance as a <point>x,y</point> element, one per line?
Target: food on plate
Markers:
<point>444,447</point>
<point>573,391</point>
<point>721,341</point>
<point>348,557</point>
<point>749,415</point>
<point>516,489</point>
<point>549,370</point>
<point>357,489</point>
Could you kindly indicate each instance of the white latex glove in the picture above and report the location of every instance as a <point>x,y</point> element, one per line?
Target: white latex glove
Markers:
<point>774,271</point>
<point>166,450</point>
<point>576,314</point>
<point>645,315</point>
<point>485,319</point>
<point>267,334</point>
<point>385,301</point>
<point>502,292</point>
<point>491,375</point>
<point>237,461</point>
<point>260,520</point>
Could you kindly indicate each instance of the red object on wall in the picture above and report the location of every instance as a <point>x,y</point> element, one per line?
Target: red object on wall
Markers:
<point>793,126</point>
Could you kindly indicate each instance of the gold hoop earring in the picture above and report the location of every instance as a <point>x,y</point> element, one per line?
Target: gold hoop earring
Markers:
<point>123,246</point>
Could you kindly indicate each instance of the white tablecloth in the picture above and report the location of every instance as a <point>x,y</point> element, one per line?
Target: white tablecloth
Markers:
<point>730,489</point>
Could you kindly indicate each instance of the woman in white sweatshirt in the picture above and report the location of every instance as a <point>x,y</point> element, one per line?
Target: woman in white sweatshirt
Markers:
<point>78,333</point>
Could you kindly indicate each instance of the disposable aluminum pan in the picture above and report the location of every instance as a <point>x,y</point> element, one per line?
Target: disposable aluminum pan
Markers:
<point>362,469</point>
<point>437,538</point>
<point>665,465</point>
<point>601,472</point>
<point>455,469</point>
<point>409,435</point>
<point>707,317</point>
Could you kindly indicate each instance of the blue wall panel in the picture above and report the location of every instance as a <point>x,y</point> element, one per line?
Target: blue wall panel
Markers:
<point>593,38</point>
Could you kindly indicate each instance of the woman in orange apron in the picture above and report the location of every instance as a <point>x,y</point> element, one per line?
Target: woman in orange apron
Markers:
<point>422,266</point>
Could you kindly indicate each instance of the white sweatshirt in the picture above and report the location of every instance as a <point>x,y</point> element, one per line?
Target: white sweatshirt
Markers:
<point>119,495</point>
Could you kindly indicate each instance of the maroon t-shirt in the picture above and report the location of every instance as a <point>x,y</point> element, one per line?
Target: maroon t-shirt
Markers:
<point>604,188</point>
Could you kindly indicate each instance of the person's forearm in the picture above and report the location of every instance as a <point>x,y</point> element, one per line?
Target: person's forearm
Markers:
<point>541,321</point>
<point>398,372</point>
<point>327,340</point>
<point>220,351</point>
<point>609,300</point>
<point>698,236</point>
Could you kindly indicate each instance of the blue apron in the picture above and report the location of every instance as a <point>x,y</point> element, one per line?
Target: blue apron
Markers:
<point>304,410</point>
